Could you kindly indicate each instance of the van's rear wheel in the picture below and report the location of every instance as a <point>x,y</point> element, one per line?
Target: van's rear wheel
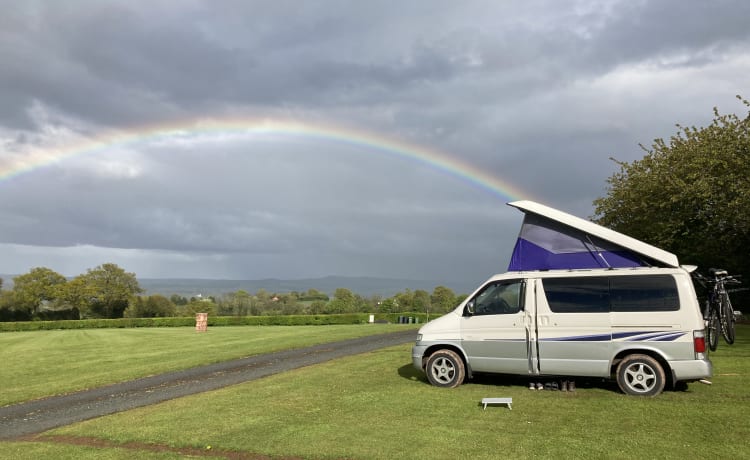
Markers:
<point>445,369</point>
<point>640,375</point>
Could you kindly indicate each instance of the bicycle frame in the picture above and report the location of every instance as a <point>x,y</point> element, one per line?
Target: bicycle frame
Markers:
<point>718,313</point>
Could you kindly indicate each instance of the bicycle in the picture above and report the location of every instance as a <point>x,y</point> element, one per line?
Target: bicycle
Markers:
<point>718,313</point>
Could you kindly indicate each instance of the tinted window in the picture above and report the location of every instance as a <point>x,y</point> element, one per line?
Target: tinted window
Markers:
<point>577,295</point>
<point>644,293</point>
<point>615,293</point>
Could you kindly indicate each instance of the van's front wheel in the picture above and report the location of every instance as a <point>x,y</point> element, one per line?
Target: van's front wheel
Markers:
<point>445,369</point>
<point>640,375</point>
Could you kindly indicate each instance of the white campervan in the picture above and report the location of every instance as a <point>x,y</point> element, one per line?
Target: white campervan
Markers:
<point>578,300</point>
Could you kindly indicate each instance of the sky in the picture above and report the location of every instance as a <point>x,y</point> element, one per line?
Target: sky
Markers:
<point>287,139</point>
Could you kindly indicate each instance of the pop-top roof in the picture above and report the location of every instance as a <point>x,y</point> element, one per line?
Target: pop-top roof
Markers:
<point>551,239</point>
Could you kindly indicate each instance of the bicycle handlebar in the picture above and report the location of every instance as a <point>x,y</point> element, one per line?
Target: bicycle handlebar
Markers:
<point>717,275</point>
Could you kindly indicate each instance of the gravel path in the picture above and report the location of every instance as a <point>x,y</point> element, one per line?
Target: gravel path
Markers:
<point>41,415</point>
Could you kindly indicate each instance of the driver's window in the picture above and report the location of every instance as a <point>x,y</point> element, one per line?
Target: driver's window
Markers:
<point>499,298</point>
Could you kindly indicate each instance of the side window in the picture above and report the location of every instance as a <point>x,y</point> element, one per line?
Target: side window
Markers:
<point>499,298</point>
<point>577,295</point>
<point>644,293</point>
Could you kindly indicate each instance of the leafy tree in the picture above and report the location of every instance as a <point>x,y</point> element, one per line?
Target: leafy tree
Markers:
<point>77,293</point>
<point>35,289</point>
<point>235,303</point>
<point>313,294</point>
<point>389,305</point>
<point>155,306</point>
<point>443,299</point>
<point>110,289</point>
<point>206,305</point>
<point>262,301</point>
<point>343,301</point>
<point>690,196</point>
<point>421,301</point>
<point>405,301</point>
<point>178,299</point>
<point>8,312</point>
<point>317,307</point>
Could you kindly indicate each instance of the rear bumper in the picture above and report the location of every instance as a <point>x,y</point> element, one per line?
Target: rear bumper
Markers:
<point>691,370</point>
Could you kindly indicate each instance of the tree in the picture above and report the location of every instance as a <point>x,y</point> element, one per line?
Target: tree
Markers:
<point>443,299</point>
<point>37,288</point>
<point>313,294</point>
<point>155,306</point>
<point>110,290</point>
<point>690,196</point>
<point>343,301</point>
<point>235,303</point>
<point>199,306</point>
<point>178,299</point>
<point>77,293</point>
<point>405,301</point>
<point>7,310</point>
<point>421,301</point>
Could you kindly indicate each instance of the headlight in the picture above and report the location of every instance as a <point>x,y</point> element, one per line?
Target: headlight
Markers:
<point>419,337</point>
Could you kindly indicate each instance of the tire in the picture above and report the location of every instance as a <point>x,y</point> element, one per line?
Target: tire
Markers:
<point>712,329</point>
<point>727,319</point>
<point>445,369</point>
<point>640,375</point>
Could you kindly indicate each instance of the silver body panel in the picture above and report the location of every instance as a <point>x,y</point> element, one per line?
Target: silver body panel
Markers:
<point>538,341</point>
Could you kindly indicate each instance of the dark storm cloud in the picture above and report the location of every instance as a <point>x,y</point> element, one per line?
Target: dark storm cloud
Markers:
<point>538,94</point>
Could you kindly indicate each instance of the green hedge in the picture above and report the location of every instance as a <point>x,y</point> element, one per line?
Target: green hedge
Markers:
<point>282,320</point>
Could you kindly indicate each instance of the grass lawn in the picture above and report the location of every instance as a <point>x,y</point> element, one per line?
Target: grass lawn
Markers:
<point>43,363</point>
<point>375,406</point>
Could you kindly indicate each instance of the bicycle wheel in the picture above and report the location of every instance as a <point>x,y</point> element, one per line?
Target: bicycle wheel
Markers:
<point>727,319</point>
<point>712,328</point>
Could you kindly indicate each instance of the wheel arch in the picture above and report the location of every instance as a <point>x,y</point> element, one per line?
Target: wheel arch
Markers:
<point>447,346</point>
<point>668,372</point>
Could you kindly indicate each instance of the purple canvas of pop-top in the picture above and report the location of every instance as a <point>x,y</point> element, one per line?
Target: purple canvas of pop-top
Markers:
<point>544,244</point>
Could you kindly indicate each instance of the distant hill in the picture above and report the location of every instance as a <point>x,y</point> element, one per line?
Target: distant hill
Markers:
<point>364,286</point>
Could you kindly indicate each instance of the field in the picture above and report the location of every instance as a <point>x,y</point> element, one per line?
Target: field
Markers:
<point>376,406</point>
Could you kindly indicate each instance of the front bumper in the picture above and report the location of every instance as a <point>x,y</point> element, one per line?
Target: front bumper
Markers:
<point>417,355</point>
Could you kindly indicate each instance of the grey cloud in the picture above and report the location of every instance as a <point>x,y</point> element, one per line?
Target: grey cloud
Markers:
<point>529,93</point>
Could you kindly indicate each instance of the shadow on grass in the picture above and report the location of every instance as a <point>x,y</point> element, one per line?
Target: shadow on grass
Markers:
<point>581,383</point>
<point>408,372</point>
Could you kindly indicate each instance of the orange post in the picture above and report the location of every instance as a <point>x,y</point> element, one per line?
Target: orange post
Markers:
<point>201,322</point>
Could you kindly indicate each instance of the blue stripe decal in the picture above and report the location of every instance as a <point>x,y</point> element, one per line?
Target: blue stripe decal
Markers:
<point>581,338</point>
<point>649,335</point>
<point>670,337</point>
<point>641,336</point>
<point>622,335</point>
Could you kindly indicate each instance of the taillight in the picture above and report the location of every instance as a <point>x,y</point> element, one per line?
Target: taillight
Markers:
<point>699,344</point>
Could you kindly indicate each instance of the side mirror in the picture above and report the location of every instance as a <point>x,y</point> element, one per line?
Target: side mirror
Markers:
<point>470,308</point>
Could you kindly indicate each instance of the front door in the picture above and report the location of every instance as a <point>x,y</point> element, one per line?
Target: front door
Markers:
<point>497,327</point>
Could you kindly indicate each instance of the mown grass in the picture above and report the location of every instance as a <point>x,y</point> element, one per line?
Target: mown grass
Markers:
<point>43,363</point>
<point>376,406</point>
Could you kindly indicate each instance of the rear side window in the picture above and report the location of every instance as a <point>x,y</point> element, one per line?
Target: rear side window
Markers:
<point>644,293</point>
<point>577,295</point>
<point>602,294</point>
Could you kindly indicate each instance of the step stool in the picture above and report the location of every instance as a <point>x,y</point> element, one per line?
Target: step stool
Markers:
<point>507,401</point>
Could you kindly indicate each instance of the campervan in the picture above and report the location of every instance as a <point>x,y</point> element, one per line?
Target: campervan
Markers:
<point>578,300</point>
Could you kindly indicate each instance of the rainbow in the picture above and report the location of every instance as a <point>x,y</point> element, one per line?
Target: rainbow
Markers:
<point>447,164</point>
